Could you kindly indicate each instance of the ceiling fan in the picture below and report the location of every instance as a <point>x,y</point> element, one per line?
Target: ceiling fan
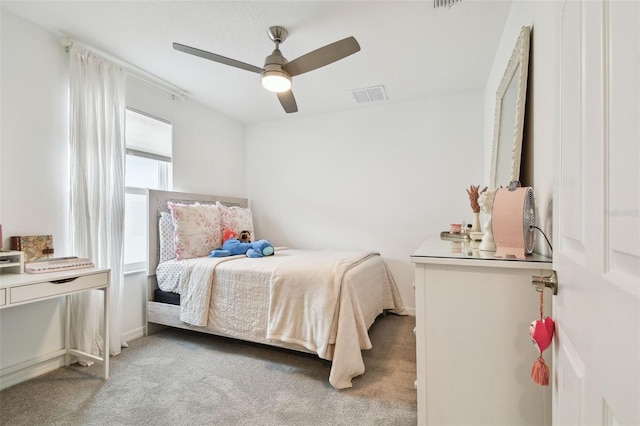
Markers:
<point>277,71</point>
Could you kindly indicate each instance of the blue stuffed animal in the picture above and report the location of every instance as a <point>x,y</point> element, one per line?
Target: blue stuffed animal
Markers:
<point>260,248</point>
<point>233,246</point>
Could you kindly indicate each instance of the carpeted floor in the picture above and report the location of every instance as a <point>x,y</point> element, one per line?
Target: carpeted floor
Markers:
<point>179,377</point>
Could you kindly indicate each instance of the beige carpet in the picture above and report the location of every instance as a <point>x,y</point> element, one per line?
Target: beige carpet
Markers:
<point>178,377</point>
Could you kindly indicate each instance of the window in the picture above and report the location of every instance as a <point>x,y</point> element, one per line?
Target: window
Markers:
<point>149,142</point>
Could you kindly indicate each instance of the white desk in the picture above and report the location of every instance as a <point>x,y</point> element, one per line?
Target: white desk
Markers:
<point>20,289</point>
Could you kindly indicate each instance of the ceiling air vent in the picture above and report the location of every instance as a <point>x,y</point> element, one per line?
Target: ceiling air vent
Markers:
<point>448,3</point>
<point>369,94</point>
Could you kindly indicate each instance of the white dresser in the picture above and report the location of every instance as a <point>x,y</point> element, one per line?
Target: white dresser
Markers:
<point>474,353</point>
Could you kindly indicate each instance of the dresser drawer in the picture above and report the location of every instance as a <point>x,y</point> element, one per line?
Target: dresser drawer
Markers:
<point>61,287</point>
<point>3,297</point>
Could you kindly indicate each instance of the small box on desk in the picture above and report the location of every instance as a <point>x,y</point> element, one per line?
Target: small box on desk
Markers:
<point>11,262</point>
<point>34,247</point>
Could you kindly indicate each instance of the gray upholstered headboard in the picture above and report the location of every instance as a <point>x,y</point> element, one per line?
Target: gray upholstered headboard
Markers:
<point>157,202</point>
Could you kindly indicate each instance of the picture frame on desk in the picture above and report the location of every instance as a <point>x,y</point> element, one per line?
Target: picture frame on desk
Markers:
<point>34,247</point>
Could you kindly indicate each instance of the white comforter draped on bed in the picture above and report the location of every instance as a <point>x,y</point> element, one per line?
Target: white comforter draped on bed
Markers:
<point>195,288</point>
<point>311,304</point>
<point>304,294</point>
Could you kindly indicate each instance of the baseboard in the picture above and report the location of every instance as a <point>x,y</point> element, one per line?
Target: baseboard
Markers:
<point>13,375</point>
<point>134,334</point>
<point>27,370</point>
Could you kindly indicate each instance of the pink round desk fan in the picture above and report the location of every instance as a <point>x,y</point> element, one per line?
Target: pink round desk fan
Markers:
<point>513,219</point>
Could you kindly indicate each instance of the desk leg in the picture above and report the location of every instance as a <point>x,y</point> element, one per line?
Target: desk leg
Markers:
<point>67,330</point>
<point>107,339</point>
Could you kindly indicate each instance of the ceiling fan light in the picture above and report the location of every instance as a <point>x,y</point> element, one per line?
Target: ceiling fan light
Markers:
<point>276,81</point>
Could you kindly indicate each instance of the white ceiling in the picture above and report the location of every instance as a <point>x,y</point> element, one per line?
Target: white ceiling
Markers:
<point>413,49</point>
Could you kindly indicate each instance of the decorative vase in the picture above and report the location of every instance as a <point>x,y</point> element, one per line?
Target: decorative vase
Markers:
<point>476,223</point>
<point>486,203</point>
<point>487,243</point>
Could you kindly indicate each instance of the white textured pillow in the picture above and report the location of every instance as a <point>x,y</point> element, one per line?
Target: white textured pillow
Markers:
<point>236,218</point>
<point>165,236</point>
<point>197,229</point>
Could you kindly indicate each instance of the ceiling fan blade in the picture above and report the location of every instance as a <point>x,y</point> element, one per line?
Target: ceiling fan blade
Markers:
<point>288,101</point>
<point>216,58</point>
<point>322,56</point>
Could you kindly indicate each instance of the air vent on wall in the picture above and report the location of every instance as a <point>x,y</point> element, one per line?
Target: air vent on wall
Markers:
<point>448,3</point>
<point>369,94</point>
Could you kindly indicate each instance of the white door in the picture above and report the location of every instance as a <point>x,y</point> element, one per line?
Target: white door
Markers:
<point>596,376</point>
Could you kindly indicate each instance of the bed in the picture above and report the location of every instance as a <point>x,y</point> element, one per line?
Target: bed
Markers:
<point>315,301</point>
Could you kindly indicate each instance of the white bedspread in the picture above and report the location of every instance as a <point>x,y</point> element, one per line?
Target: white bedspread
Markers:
<point>321,301</point>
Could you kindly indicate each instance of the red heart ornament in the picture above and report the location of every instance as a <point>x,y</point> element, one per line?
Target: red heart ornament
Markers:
<point>541,332</point>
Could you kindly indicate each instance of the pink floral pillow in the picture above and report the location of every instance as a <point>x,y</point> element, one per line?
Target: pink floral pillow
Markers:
<point>237,218</point>
<point>197,229</point>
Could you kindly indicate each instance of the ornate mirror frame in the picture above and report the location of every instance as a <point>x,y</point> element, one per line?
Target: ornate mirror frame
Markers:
<point>508,126</point>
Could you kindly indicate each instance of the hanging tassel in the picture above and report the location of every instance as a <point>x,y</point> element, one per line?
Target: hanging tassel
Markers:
<point>541,332</point>
<point>540,372</point>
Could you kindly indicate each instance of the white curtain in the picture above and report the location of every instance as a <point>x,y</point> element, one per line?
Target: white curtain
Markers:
<point>97,108</point>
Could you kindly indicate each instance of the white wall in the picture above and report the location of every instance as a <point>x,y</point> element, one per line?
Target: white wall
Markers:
<point>377,178</point>
<point>35,165</point>
<point>34,178</point>
<point>208,148</point>
<point>540,113</point>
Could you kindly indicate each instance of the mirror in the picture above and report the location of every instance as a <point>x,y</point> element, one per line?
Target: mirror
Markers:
<point>511,97</point>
